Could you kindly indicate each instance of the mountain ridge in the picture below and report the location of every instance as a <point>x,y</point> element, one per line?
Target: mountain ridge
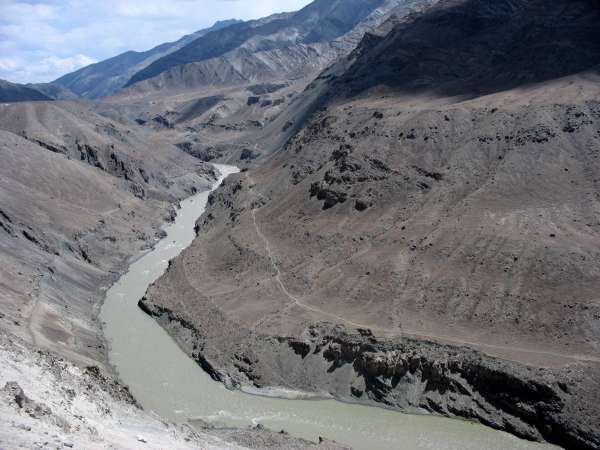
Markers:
<point>14,92</point>
<point>305,24</point>
<point>107,76</point>
<point>288,47</point>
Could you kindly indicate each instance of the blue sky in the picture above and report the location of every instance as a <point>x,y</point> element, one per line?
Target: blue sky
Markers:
<point>42,40</point>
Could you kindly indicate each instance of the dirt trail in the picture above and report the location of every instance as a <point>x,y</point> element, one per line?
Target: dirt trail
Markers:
<point>487,348</point>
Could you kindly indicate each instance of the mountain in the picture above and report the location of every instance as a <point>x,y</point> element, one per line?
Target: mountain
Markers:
<point>106,77</point>
<point>282,46</point>
<point>422,229</point>
<point>69,226</point>
<point>54,91</point>
<point>13,92</point>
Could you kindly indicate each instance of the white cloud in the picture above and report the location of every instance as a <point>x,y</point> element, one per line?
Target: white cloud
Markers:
<point>8,64</point>
<point>18,10</point>
<point>69,64</point>
<point>48,68</point>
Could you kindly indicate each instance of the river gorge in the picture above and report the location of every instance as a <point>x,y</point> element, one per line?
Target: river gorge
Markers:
<point>166,381</point>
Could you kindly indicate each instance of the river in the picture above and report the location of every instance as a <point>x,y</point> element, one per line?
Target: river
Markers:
<point>165,380</point>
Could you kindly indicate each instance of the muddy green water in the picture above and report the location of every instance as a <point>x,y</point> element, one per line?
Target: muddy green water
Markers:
<point>164,380</point>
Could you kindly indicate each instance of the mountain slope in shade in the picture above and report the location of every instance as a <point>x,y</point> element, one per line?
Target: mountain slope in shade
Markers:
<point>428,237</point>
<point>528,42</point>
<point>13,92</point>
<point>106,77</point>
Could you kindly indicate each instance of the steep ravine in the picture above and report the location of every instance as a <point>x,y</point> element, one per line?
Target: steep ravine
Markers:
<point>210,322</point>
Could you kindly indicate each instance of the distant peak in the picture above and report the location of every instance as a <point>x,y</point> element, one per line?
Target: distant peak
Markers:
<point>226,23</point>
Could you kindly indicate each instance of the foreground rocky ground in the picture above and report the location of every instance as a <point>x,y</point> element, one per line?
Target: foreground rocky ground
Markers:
<point>47,402</point>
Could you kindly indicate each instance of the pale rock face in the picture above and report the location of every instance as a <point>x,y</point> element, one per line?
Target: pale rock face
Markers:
<point>46,399</point>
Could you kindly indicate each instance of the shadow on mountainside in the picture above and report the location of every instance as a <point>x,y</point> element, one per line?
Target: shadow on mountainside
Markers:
<point>477,47</point>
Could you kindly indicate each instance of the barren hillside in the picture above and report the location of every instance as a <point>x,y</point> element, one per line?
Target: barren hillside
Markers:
<point>80,195</point>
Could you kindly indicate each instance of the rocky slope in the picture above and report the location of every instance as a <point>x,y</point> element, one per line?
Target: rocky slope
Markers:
<point>86,185</point>
<point>106,77</point>
<point>46,401</point>
<point>435,198</point>
<point>213,109</point>
<point>79,194</point>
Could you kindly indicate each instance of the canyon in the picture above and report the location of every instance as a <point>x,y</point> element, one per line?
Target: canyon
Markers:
<point>414,224</point>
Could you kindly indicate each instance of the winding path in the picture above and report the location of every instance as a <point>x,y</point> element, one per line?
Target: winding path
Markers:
<point>443,339</point>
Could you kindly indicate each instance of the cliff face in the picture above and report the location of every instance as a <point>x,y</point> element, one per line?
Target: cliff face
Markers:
<point>426,188</point>
<point>410,375</point>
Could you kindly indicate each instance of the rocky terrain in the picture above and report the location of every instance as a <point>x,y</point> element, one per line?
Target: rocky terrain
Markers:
<point>85,186</point>
<point>422,235</point>
<point>80,196</point>
<point>47,402</point>
<point>415,225</point>
<point>54,404</point>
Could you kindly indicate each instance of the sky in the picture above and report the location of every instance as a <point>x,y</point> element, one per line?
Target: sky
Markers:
<point>42,40</point>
